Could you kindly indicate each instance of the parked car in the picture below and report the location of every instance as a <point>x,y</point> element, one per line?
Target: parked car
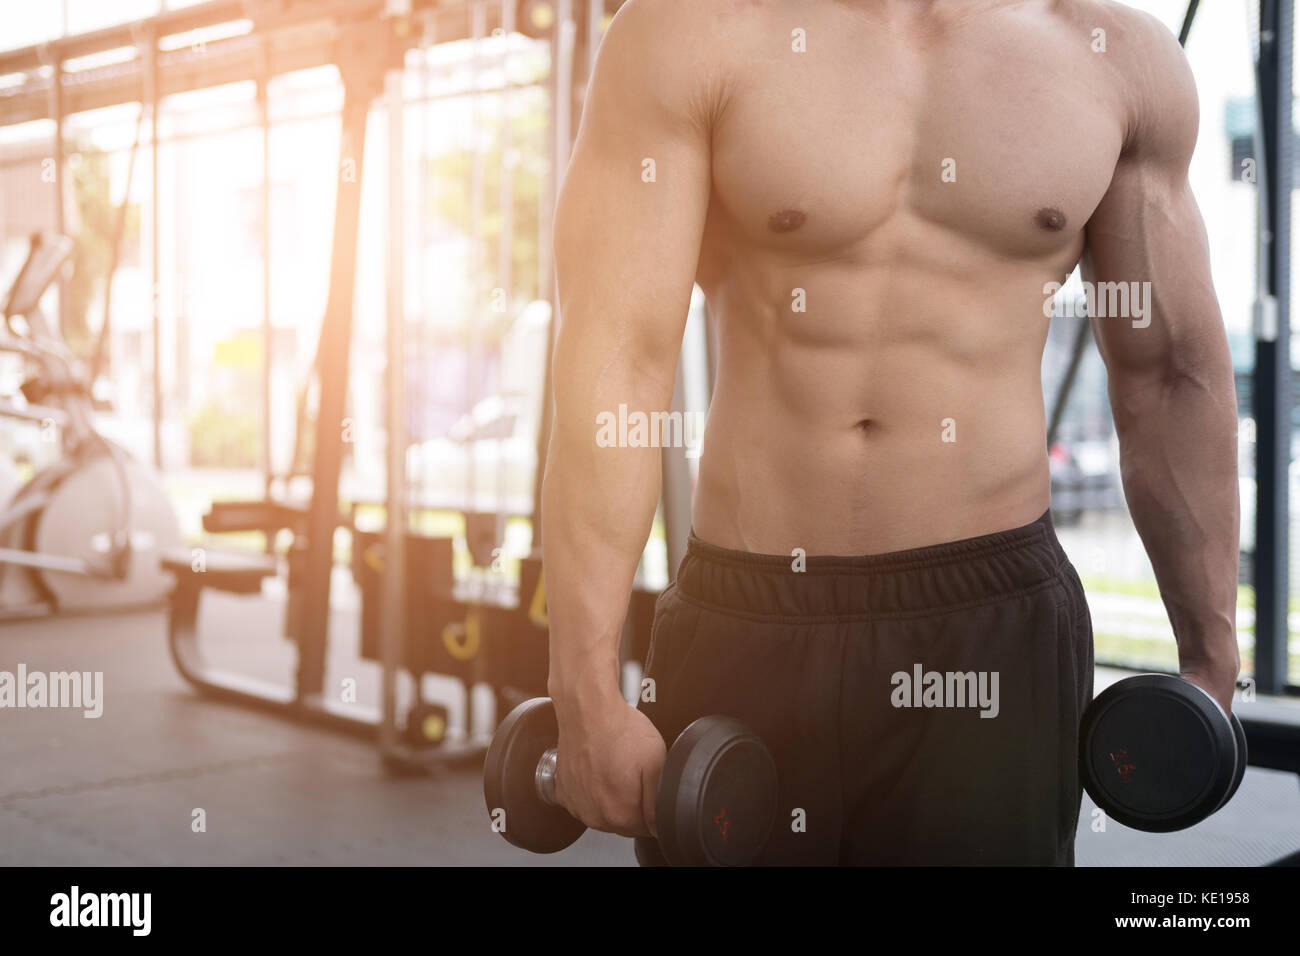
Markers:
<point>1085,477</point>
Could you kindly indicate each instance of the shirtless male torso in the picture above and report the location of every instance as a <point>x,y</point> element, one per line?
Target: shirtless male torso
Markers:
<point>876,197</point>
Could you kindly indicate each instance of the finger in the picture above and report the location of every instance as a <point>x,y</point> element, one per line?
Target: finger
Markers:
<point>562,791</point>
<point>629,826</point>
<point>1213,688</point>
<point>649,788</point>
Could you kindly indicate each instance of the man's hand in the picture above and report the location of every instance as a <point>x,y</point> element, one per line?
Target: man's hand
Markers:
<point>1219,681</point>
<point>607,768</point>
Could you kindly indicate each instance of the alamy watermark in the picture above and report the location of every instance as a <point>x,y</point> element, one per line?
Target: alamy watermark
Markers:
<point>75,908</point>
<point>954,689</point>
<point>1102,300</point>
<point>636,429</point>
<point>82,690</point>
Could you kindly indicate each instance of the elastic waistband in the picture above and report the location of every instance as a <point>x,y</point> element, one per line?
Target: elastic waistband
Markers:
<point>970,571</point>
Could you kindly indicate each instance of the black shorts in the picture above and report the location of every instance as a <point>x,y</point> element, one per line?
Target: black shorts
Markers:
<point>922,706</point>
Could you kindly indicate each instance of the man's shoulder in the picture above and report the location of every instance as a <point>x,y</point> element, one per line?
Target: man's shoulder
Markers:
<point>1112,13</point>
<point>1149,69</point>
<point>715,28</point>
<point>680,49</point>
<point>1129,37</point>
<point>677,18</point>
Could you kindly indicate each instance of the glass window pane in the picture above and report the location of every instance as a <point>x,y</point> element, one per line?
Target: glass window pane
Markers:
<point>26,24</point>
<point>87,15</point>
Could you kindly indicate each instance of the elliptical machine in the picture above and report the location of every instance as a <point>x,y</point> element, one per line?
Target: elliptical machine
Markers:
<point>86,532</point>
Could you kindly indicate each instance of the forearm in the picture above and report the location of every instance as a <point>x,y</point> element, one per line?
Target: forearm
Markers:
<point>628,226</point>
<point>1178,455</point>
<point>598,505</point>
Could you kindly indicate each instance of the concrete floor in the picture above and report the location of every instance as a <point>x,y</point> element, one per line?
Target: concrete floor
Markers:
<point>122,789</point>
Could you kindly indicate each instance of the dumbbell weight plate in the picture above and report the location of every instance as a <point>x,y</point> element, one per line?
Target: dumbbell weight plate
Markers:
<point>717,796</point>
<point>1243,756</point>
<point>510,780</point>
<point>1157,753</point>
<point>426,725</point>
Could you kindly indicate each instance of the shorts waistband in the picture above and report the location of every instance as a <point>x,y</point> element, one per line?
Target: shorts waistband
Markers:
<point>967,572</point>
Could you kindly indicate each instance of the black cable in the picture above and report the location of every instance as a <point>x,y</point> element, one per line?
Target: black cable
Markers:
<point>1188,17</point>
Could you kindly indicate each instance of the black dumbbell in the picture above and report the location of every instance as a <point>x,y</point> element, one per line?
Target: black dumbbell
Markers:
<point>1158,753</point>
<point>714,806</point>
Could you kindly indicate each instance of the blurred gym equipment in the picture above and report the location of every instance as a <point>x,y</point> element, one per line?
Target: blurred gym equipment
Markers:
<point>417,617</point>
<point>363,54</point>
<point>86,532</point>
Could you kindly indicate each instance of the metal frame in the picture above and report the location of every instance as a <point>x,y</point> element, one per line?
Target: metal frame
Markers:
<point>370,58</point>
<point>268,328</point>
<point>153,96</point>
<point>1272,391</point>
<point>561,88</point>
<point>391,616</point>
<point>288,35</point>
<point>362,56</point>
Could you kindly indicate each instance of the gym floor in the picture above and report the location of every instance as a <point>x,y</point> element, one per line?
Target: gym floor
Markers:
<point>122,789</point>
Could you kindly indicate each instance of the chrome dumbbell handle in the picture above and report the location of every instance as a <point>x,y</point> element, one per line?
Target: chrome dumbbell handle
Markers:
<point>545,777</point>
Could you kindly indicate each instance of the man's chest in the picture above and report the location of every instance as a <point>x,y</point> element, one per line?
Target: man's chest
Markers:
<point>1007,140</point>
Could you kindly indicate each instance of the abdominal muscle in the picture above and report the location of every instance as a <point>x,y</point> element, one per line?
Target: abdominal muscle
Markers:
<point>905,411</point>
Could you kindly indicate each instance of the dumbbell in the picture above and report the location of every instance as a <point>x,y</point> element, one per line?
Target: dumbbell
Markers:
<point>426,725</point>
<point>714,806</point>
<point>1158,753</point>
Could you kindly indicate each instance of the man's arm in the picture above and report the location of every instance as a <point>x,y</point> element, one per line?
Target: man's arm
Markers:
<point>627,238</point>
<point>1171,382</point>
